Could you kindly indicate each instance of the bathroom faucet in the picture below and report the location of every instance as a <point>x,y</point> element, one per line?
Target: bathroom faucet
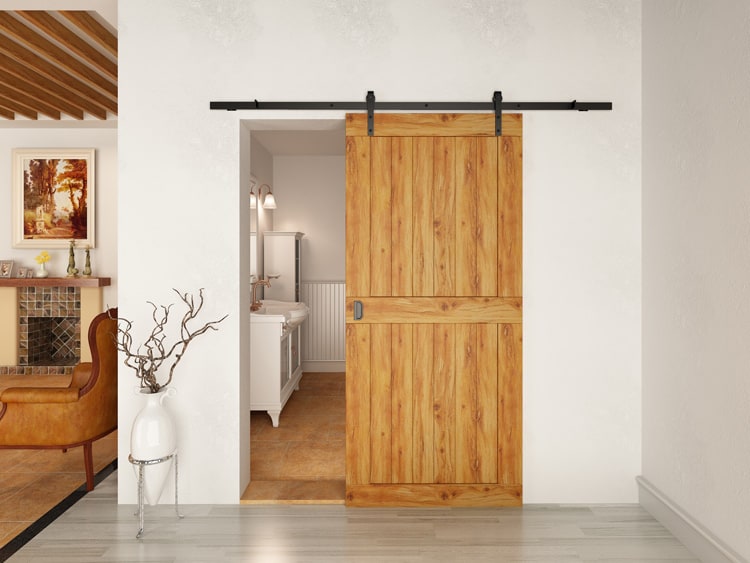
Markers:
<point>256,304</point>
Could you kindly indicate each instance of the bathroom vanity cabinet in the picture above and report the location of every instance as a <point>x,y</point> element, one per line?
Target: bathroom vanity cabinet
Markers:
<point>275,364</point>
<point>281,256</point>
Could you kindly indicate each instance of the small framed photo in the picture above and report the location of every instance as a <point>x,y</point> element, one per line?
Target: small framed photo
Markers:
<point>30,273</point>
<point>53,198</point>
<point>21,272</point>
<point>6,268</point>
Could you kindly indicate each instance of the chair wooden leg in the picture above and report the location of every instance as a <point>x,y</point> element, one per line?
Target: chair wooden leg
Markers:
<point>88,462</point>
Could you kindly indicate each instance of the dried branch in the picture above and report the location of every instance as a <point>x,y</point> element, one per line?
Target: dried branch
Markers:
<point>148,357</point>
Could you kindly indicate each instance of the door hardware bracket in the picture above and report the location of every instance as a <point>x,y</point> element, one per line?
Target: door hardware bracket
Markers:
<point>370,101</point>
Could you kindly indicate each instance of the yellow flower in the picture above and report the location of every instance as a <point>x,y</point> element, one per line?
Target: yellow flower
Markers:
<point>43,257</point>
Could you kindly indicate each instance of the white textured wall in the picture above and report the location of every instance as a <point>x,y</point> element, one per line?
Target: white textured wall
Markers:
<point>179,170</point>
<point>24,134</point>
<point>310,195</point>
<point>696,263</point>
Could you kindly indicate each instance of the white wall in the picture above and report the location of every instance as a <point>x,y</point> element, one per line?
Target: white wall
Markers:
<point>582,252</point>
<point>310,197</point>
<point>23,134</point>
<point>696,264</point>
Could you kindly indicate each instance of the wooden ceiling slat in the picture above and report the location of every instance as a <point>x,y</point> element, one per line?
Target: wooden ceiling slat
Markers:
<point>25,73</point>
<point>27,57</point>
<point>17,108</point>
<point>40,94</point>
<point>58,31</point>
<point>28,36</point>
<point>28,101</point>
<point>6,113</point>
<point>88,24</point>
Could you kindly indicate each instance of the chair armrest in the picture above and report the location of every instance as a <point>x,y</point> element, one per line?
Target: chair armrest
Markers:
<point>39,395</point>
<point>81,374</point>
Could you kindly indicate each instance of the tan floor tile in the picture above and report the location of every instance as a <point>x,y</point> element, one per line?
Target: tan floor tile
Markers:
<point>314,460</point>
<point>42,495</point>
<point>267,459</point>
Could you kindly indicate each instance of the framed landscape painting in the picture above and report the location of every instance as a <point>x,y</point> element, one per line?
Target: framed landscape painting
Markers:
<point>53,198</point>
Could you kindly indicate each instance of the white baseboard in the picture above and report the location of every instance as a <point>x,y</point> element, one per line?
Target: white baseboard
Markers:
<point>323,367</point>
<point>688,530</point>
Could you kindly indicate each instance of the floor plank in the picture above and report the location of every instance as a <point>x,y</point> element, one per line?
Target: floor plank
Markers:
<point>97,529</point>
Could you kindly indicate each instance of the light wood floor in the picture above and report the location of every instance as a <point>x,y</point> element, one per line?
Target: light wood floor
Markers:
<point>34,481</point>
<point>97,529</point>
<point>303,459</point>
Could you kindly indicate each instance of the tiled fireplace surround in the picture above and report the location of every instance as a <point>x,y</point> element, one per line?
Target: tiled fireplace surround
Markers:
<point>49,329</point>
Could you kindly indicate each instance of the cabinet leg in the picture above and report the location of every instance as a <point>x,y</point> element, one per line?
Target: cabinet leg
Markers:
<point>274,418</point>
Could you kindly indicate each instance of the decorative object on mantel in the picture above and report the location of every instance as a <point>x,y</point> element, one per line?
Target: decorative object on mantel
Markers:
<point>153,437</point>
<point>87,266</point>
<point>6,267</point>
<point>72,270</point>
<point>42,258</point>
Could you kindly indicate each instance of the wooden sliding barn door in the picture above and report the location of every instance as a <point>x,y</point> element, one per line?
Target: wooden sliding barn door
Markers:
<point>433,254</point>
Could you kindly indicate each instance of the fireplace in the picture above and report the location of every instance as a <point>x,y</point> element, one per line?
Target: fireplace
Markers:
<point>49,326</point>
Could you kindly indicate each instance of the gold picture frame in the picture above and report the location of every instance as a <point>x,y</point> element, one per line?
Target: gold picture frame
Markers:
<point>53,198</point>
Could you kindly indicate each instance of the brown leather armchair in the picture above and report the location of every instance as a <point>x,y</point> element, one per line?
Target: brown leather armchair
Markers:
<point>66,417</point>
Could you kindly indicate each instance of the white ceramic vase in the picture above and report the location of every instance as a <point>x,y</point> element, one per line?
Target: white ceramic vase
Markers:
<point>42,271</point>
<point>152,437</point>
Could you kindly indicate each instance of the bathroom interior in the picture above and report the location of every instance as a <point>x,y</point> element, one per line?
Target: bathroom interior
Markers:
<point>297,267</point>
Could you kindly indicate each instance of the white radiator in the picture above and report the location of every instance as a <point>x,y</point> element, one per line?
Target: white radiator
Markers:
<point>323,333</point>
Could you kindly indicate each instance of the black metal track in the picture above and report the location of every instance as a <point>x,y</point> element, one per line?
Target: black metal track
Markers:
<point>413,106</point>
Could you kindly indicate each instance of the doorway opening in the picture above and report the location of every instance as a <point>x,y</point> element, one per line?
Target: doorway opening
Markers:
<point>302,460</point>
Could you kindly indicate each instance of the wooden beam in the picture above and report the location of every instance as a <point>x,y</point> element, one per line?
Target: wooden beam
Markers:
<point>17,108</point>
<point>27,57</point>
<point>96,31</point>
<point>16,29</point>
<point>28,101</point>
<point>40,95</point>
<point>53,89</point>
<point>6,113</point>
<point>58,31</point>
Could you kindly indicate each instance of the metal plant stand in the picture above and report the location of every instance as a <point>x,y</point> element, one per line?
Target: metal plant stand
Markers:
<point>141,463</point>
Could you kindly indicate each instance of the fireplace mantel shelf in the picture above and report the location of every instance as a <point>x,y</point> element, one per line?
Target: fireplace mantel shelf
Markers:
<point>55,282</point>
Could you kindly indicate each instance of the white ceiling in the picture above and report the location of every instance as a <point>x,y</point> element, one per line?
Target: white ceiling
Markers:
<point>302,143</point>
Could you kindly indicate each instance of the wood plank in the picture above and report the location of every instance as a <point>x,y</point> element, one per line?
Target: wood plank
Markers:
<point>28,58</point>
<point>92,28</point>
<point>423,424</point>
<point>444,216</point>
<point>58,31</point>
<point>357,404</point>
<point>444,392</point>
<point>6,113</point>
<point>434,495</point>
<point>487,216</point>
<point>380,217</point>
<point>40,97</point>
<point>12,105</point>
<point>402,408</point>
<point>37,42</point>
<point>402,216</point>
<point>434,124</point>
<point>380,404</point>
<point>448,310</point>
<point>357,216</point>
<point>423,246</point>
<point>467,463</point>
<point>52,88</point>
<point>510,470</point>
<point>467,282</point>
<point>510,230</point>
<point>487,403</point>
<point>28,102</point>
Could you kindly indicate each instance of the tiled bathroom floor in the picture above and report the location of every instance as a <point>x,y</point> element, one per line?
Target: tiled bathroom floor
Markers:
<point>303,460</point>
<point>34,481</point>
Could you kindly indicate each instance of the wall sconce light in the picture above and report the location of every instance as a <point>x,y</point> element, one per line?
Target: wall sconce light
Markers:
<point>253,199</point>
<point>269,202</point>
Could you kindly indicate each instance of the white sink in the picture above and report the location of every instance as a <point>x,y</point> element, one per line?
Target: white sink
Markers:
<point>293,313</point>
